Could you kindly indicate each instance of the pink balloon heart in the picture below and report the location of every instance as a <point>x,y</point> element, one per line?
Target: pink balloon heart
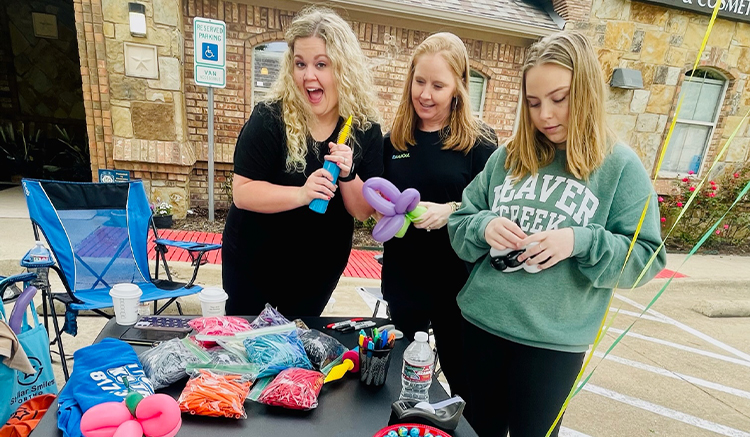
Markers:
<point>104,419</point>
<point>129,428</point>
<point>159,415</point>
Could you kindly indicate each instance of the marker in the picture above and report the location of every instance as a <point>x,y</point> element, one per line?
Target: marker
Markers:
<point>358,325</point>
<point>343,323</point>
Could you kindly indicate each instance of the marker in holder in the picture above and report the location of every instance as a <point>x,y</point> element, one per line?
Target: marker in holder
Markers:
<point>319,205</point>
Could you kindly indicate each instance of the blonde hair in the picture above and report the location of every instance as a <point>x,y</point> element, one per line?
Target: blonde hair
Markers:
<point>352,78</point>
<point>463,128</point>
<point>589,138</point>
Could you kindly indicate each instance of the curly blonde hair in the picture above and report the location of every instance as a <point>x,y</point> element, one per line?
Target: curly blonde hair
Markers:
<point>589,137</point>
<point>352,77</point>
<point>463,128</point>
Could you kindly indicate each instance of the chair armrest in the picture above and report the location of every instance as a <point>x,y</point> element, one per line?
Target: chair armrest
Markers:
<point>6,282</point>
<point>189,245</point>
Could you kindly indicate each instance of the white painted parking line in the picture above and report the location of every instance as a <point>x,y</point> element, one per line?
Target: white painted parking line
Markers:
<point>686,328</point>
<point>635,314</point>
<point>567,432</point>
<point>682,347</point>
<point>667,412</point>
<point>675,375</point>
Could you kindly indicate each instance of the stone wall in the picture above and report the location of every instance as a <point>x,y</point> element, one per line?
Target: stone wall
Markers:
<point>388,47</point>
<point>146,93</point>
<point>663,44</point>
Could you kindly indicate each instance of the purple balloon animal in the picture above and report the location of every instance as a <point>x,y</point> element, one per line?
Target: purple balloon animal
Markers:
<point>398,209</point>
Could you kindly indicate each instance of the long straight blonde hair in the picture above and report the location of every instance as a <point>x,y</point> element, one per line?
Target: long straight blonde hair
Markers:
<point>350,71</point>
<point>463,128</point>
<point>589,138</point>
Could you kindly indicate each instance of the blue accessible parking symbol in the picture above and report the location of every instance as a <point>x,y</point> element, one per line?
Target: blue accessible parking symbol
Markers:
<point>210,52</point>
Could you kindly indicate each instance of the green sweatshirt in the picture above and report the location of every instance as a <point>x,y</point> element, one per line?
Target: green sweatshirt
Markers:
<point>559,308</point>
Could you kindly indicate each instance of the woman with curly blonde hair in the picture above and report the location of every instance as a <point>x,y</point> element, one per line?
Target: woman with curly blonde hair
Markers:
<point>436,146</point>
<point>278,171</point>
<point>549,225</point>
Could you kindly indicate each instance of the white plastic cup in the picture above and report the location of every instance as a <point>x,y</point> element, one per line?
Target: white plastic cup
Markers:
<point>213,301</point>
<point>125,300</point>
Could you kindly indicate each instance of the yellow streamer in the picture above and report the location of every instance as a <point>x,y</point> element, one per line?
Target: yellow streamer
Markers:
<point>602,329</point>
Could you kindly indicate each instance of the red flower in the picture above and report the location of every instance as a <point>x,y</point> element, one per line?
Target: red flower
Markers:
<point>714,187</point>
<point>691,172</point>
<point>712,182</point>
<point>712,194</point>
<point>686,180</point>
<point>718,231</point>
<point>736,175</point>
<point>691,189</point>
<point>663,219</point>
<point>679,204</point>
<point>661,199</point>
<point>726,226</point>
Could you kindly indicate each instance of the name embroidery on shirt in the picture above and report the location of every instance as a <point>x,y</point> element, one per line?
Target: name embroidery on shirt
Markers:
<point>574,200</point>
<point>401,156</point>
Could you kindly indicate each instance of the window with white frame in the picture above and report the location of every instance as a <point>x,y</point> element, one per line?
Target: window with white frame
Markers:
<point>477,89</point>
<point>266,65</point>
<point>702,96</point>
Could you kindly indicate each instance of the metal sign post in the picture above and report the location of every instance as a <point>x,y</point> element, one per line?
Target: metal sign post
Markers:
<point>210,47</point>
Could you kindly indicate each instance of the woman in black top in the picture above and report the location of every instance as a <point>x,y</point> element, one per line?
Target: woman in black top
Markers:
<point>437,147</point>
<point>275,249</point>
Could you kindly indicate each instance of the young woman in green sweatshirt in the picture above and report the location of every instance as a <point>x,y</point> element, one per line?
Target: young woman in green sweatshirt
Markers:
<point>569,194</point>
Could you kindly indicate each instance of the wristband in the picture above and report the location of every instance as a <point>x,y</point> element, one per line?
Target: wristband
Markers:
<point>349,178</point>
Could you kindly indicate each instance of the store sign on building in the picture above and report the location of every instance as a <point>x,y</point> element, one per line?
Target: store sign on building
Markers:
<point>209,43</point>
<point>738,10</point>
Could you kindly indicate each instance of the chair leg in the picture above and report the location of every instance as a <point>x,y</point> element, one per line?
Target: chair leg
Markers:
<point>58,339</point>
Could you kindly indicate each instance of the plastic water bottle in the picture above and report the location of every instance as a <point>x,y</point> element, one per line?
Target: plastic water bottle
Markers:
<point>39,253</point>
<point>416,373</point>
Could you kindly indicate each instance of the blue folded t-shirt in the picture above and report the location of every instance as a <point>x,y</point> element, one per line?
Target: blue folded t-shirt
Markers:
<point>97,377</point>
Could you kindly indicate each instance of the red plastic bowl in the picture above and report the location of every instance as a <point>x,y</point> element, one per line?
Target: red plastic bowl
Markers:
<point>422,428</point>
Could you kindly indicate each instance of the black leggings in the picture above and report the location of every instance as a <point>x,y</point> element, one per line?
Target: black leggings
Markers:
<point>514,388</point>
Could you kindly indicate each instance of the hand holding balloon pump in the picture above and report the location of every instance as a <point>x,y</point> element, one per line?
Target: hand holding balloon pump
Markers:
<point>320,205</point>
<point>398,209</point>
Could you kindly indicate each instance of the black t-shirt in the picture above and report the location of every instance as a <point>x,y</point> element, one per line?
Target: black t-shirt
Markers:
<point>422,260</point>
<point>308,248</point>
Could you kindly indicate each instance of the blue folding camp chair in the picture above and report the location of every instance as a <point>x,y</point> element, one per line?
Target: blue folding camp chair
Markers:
<point>98,234</point>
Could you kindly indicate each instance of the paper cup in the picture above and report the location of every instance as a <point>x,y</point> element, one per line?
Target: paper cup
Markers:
<point>125,300</point>
<point>213,301</point>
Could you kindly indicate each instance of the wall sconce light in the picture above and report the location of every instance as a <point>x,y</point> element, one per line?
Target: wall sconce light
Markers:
<point>626,78</point>
<point>264,71</point>
<point>137,19</point>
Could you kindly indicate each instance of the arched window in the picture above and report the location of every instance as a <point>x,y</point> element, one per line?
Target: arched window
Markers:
<point>702,96</point>
<point>266,64</point>
<point>477,89</point>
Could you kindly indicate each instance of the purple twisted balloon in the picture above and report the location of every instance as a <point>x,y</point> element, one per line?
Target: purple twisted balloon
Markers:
<point>382,195</point>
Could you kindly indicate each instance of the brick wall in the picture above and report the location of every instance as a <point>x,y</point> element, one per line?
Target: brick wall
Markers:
<point>388,47</point>
<point>92,54</point>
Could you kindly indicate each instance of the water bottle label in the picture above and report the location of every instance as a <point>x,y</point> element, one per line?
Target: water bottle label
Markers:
<point>417,373</point>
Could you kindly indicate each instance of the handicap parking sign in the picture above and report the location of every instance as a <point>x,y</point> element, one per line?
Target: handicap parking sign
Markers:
<point>210,52</point>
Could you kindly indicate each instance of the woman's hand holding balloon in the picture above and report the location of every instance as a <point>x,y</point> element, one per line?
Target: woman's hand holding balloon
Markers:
<point>435,217</point>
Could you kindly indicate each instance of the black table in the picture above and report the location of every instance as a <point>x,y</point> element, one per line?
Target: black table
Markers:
<point>345,407</point>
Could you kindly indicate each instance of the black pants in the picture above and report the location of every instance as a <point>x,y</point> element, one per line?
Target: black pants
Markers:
<point>444,316</point>
<point>514,388</point>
